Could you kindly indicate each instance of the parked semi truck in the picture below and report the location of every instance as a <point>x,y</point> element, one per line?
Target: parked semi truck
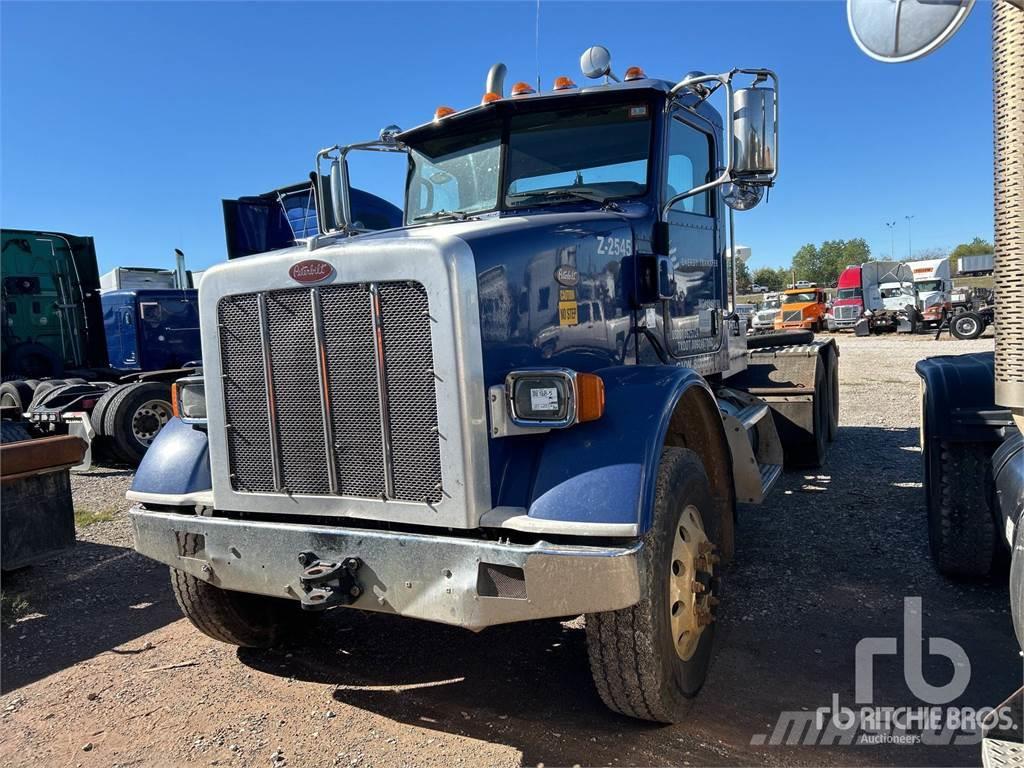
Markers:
<point>376,428</point>
<point>98,365</point>
<point>933,286</point>
<point>802,308</point>
<point>874,297</point>
<point>764,318</point>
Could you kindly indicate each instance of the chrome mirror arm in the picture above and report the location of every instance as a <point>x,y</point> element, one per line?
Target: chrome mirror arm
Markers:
<point>724,79</point>
<point>340,202</point>
<point>720,80</point>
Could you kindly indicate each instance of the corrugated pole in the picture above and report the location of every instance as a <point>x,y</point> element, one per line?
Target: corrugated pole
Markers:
<point>1008,127</point>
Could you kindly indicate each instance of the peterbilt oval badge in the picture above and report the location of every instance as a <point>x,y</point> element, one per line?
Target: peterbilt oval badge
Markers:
<point>567,275</point>
<point>311,271</point>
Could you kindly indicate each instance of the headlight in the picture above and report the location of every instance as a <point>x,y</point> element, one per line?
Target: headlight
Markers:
<point>552,399</point>
<point>188,399</point>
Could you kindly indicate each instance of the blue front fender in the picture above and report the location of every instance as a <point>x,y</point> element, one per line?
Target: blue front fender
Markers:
<point>604,471</point>
<point>177,462</point>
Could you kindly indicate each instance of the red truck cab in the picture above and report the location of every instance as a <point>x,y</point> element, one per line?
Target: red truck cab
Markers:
<point>848,304</point>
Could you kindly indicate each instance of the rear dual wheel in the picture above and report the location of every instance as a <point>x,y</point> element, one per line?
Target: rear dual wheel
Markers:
<point>133,415</point>
<point>650,659</point>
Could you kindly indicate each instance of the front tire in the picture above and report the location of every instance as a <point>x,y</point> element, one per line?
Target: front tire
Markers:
<point>648,660</point>
<point>236,618</point>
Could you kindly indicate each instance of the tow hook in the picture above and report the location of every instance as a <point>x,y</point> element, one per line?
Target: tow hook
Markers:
<point>327,584</point>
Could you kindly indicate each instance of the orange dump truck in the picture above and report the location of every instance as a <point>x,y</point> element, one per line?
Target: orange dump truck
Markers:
<point>802,308</point>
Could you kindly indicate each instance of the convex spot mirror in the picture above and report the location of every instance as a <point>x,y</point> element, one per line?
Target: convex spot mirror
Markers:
<point>895,31</point>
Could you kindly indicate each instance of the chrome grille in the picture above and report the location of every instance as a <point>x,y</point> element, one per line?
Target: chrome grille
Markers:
<point>412,405</point>
<point>323,415</point>
<point>248,437</point>
<point>794,316</point>
<point>296,391</point>
<point>352,383</point>
<point>846,312</point>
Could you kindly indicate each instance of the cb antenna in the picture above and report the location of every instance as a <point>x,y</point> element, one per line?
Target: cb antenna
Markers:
<point>536,43</point>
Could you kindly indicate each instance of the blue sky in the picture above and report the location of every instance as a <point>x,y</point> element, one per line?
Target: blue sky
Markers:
<point>130,122</point>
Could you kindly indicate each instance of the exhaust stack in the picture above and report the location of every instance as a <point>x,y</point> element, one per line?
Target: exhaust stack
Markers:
<point>496,79</point>
<point>1008,98</point>
<point>180,275</point>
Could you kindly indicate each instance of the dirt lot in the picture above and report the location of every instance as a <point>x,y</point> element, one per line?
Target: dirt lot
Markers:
<point>100,668</point>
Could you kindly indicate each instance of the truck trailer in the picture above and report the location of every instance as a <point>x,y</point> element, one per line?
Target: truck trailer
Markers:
<point>376,427</point>
<point>975,266</point>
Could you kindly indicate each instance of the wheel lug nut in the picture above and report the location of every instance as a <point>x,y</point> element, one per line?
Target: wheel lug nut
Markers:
<point>704,547</point>
<point>697,587</point>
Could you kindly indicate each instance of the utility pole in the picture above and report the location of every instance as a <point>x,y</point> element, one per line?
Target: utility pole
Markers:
<point>910,250</point>
<point>891,226</point>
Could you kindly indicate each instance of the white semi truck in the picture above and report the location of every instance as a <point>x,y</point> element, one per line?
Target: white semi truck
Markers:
<point>933,284</point>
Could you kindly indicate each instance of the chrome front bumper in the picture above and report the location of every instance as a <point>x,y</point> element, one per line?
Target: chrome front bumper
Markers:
<point>460,581</point>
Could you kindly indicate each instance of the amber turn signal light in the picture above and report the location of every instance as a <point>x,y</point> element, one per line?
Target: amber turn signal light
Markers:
<point>589,397</point>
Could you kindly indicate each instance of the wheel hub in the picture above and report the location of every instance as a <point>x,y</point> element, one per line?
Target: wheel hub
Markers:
<point>692,582</point>
<point>149,418</point>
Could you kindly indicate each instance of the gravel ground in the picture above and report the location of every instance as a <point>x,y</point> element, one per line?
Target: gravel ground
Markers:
<point>101,670</point>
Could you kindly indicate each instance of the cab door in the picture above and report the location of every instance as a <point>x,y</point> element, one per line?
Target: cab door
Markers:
<point>693,314</point>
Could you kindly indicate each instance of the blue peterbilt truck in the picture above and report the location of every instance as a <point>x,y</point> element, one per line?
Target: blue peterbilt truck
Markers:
<point>377,426</point>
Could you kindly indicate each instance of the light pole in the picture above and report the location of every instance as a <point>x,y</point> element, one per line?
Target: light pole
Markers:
<point>910,250</point>
<point>891,226</point>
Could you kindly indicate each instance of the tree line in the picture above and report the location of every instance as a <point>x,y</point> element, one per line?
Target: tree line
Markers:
<point>823,263</point>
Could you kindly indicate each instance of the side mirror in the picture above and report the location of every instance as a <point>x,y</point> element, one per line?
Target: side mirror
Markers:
<point>754,129</point>
<point>339,192</point>
<point>751,134</point>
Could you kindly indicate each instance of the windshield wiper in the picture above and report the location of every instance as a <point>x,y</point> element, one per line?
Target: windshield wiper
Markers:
<point>568,194</point>
<point>443,214</point>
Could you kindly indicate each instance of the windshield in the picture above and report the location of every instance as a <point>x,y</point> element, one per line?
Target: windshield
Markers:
<point>598,153</point>
<point>453,174</point>
<point>772,304</point>
<point>891,293</point>
<point>929,285</point>
<point>801,298</point>
<point>595,154</point>
<point>848,293</point>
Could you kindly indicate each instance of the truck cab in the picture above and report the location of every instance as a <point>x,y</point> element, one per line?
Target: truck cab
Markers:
<point>934,287</point>
<point>151,329</point>
<point>848,305</point>
<point>530,400</point>
<point>802,309</point>
<point>763,318</point>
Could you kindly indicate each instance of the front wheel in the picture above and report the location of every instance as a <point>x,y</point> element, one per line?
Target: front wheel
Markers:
<point>648,660</point>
